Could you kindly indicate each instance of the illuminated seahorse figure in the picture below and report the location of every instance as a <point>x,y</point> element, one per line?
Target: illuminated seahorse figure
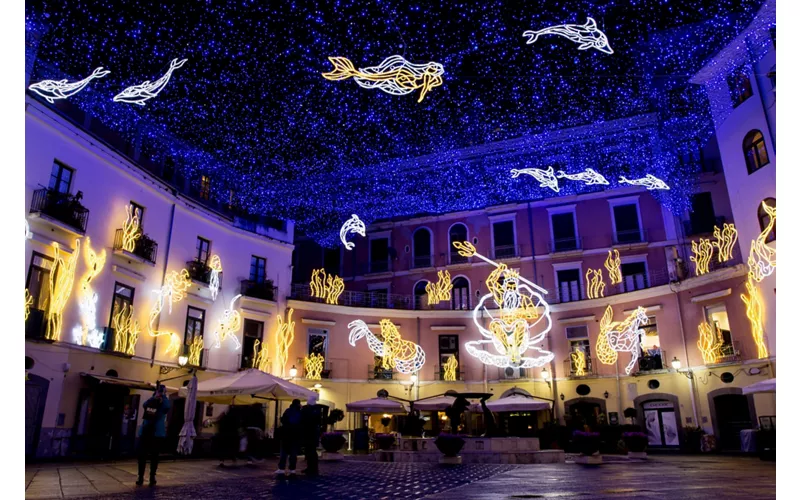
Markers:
<point>87,333</point>
<point>626,336</point>
<point>755,314</point>
<point>228,325</point>
<point>603,350</point>
<point>174,290</point>
<point>614,267</point>
<point>403,355</point>
<point>589,177</point>
<point>440,290</point>
<point>547,178</point>
<point>578,358</point>
<point>62,277</point>
<point>702,256</point>
<point>762,260</point>
<point>215,264</point>
<point>595,286</point>
<point>725,241</point>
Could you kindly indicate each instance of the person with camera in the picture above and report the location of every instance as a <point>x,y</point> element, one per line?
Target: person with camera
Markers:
<point>152,432</point>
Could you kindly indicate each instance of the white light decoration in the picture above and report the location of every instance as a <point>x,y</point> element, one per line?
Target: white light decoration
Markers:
<point>28,233</point>
<point>139,94</point>
<point>547,178</point>
<point>403,355</point>
<point>229,324</point>
<point>52,89</point>
<point>649,181</point>
<point>353,225</point>
<point>589,177</point>
<point>516,311</point>
<point>763,259</point>
<point>394,75</point>
<point>213,282</point>
<point>624,336</point>
<point>87,333</point>
<point>174,290</point>
<point>587,35</point>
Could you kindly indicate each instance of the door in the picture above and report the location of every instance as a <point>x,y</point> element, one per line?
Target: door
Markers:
<point>35,397</point>
<point>105,420</point>
<point>130,415</point>
<point>661,424</point>
<point>584,413</point>
<point>733,416</point>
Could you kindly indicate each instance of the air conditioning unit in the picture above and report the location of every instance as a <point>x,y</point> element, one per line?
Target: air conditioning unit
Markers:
<point>511,372</point>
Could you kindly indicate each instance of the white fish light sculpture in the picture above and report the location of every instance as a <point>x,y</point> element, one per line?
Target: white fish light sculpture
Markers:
<point>139,94</point>
<point>588,177</point>
<point>649,181</point>
<point>587,35</point>
<point>547,178</point>
<point>52,89</point>
<point>353,225</point>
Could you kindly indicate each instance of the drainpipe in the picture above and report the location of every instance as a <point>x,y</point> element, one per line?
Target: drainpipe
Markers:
<point>163,277</point>
<point>416,388</point>
<point>554,383</point>
<point>619,391</point>
<point>530,231</point>
<point>686,355</point>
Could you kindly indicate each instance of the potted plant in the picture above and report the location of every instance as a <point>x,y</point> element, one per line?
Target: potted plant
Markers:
<point>332,442</point>
<point>693,437</point>
<point>336,415</point>
<point>588,444</point>
<point>385,441</point>
<point>449,445</point>
<point>636,442</point>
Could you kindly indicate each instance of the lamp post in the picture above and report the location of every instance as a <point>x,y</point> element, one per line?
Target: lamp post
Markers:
<point>292,372</point>
<point>546,376</point>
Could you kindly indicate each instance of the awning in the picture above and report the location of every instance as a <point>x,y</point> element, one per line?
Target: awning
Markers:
<point>517,402</point>
<point>441,403</point>
<point>378,405</point>
<point>133,384</point>
<point>763,386</point>
<point>248,387</point>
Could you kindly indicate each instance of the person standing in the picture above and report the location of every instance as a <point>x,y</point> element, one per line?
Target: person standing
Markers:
<point>228,438</point>
<point>289,434</point>
<point>311,421</point>
<point>152,432</point>
<point>255,423</point>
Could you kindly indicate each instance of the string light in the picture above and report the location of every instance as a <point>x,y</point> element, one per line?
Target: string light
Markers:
<point>614,267</point>
<point>285,336</point>
<point>578,358</point>
<point>603,350</point>
<point>229,324</point>
<point>649,181</point>
<point>451,369</point>
<point>762,260</point>
<point>589,177</point>
<point>195,350</point>
<point>402,355</point>
<point>587,35</point>
<point>126,330</point>
<point>546,178</point>
<point>62,277</point>
<point>176,284</point>
<point>260,360</point>
<point>701,257</point>
<point>595,286</point>
<point>624,336</point>
<point>709,342</point>
<point>52,90</point>
<point>28,233</point>
<point>755,314</point>
<point>352,225</point>
<point>87,299</point>
<point>440,290</point>
<point>215,264</point>
<point>28,303</point>
<point>313,365</point>
<point>130,229</point>
<point>326,286</point>
<point>725,241</point>
<point>394,75</point>
<point>139,94</point>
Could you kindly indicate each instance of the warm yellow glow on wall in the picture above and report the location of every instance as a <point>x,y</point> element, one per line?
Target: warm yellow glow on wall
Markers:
<point>603,350</point>
<point>325,286</point>
<point>195,350</point>
<point>595,286</point>
<point>709,343</point>
<point>725,241</point>
<point>614,267</point>
<point>130,229</point>
<point>285,336</point>
<point>440,290</point>
<point>126,331</point>
<point>702,256</point>
<point>62,278</point>
<point>451,369</point>
<point>28,303</point>
<point>755,314</point>
<point>313,366</point>
<point>176,284</point>
<point>87,298</point>
<point>762,259</point>
<point>579,362</point>
<point>260,360</point>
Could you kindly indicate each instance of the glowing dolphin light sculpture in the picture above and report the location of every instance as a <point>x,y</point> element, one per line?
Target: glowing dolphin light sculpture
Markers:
<point>138,94</point>
<point>353,225</point>
<point>547,178</point>
<point>649,181</point>
<point>52,89</point>
<point>394,75</point>
<point>587,35</point>
<point>589,177</point>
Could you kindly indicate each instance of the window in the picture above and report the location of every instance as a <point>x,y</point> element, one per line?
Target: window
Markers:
<point>195,321</point>
<point>253,330</point>
<point>694,156</point>
<point>504,244</point>
<point>626,221</point>
<point>634,276</point>
<point>650,337</point>
<point>448,346</point>
<point>652,357</point>
<point>460,293</point>
<point>123,298</point>
<point>739,86</point>
<point>38,283</point>
<point>764,218</point>
<point>580,345</point>
<point>421,295</point>
<point>379,297</point>
<point>205,187</point>
<point>702,218</point>
<point>577,332</point>
<point>203,246</point>
<point>717,316</point>
<point>258,269</point>
<point>773,33</point>
<point>458,232</point>
<point>318,342</point>
<point>60,177</point>
<point>569,285</point>
<point>331,260</point>
<point>772,75</point>
<point>138,210</point>
<point>422,248</point>
<point>378,255</point>
<point>564,231</point>
<point>755,151</point>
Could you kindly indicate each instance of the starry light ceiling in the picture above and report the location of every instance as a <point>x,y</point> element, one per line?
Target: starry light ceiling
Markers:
<point>251,108</point>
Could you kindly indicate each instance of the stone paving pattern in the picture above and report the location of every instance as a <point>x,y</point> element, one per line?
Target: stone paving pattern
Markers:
<point>674,477</point>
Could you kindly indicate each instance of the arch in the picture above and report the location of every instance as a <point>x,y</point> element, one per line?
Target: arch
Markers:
<point>457,235</point>
<point>755,151</point>
<point>763,218</point>
<point>639,401</point>
<point>726,391</point>
<point>422,247</point>
<point>420,294</point>
<point>568,404</point>
<point>515,390</point>
<point>460,295</point>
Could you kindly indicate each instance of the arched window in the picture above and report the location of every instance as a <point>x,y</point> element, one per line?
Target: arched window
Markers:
<point>460,294</point>
<point>421,295</point>
<point>458,232</point>
<point>422,248</point>
<point>755,151</point>
<point>764,218</point>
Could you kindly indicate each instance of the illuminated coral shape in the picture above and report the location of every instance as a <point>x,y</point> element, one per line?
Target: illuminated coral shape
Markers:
<point>578,358</point>
<point>86,333</point>
<point>762,260</point>
<point>28,303</point>
<point>614,267</point>
<point>126,331</point>
<point>702,256</point>
<point>589,177</point>
<point>726,239</point>
<point>195,350</point>
<point>215,264</point>
<point>624,336</point>
<point>260,359</point>
<point>402,355</point>
<point>62,278</point>
<point>547,178</point>
<point>649,181</point>
<point>451,369</point>
<point>229,324</point>
<point>285,335</point>
<point>176,284</point>
<point>352,225</point>
<point>394,75</point>
<point>326,286</point>
<point>709,343</point>
<point>603,350</point>
<point>440,290</point>
<point>313,365</point>
<point>755,313</point>
<point>595,286</point>
<point>60,89</point>
<point>139,94</point>
<point>130,229</point>
<point>588,36</point>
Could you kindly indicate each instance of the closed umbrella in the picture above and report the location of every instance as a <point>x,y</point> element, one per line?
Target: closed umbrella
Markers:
<point>187,434</point>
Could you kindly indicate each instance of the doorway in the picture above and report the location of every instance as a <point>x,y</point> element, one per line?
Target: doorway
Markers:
<point>35,397</point>
<point>585,411</point>
<point>661,424</point>
<point>733,416</point>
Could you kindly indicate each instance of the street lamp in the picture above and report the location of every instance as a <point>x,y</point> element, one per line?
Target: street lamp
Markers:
<point>318,386</point>
<point>414,378</point>
<point>292,372</point>
<point>546,376</point>
<point>676,363</point>
<point>182,360</point>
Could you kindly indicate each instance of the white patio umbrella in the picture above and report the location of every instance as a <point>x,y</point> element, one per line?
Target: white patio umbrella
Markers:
<point>248,387</point>
<point>378,405</point>
<point>441,403</point>
<point>188,433</point>
<point>517,402</point>
<point>763,386</point>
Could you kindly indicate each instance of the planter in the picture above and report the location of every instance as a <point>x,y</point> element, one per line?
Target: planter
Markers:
<point>384,441</point>
<point>449,445</point>
<point>636,442</point>
<point>637,455</point>
<point>445,460</point>
<point>693,437</point>
<point>589,459</point>
<point>332,442</point>
<point>587,443</point>
<point>331,457</point>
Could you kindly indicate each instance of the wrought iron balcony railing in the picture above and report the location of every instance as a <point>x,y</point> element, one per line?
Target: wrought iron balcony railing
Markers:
<point>62,207</point>
<point>692,228</point>
<point>199,271</point>
<point>653,359</point>
<point>264,290</point>
<point>566,244</point>
<point>36,324</point>
<point>506,252</point>
<point>144,247</point>
<point>301,291</point>
<point>730,353</point>
<point>375,372</point>
<point>457,258</point>
<point>439,371</point>
<point>423,261</point>
<point>630,236</point>
<point>571,368</point>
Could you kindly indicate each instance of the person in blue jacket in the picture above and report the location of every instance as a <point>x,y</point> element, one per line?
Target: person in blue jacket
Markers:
<point>152,432</point>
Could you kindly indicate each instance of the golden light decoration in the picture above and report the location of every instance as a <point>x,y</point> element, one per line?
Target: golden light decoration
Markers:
<point>755,314</point>
<point>87,299</point>
<point>215,264</point>
<point>313,365</point>
<point>28,303</point>
<point>326,286</point>
<point>614,267</point>
<point>726,239</point>
<point>762,260</point>
<point>440,290</point>
<point>451,369</point>
<point>595,286</point>
<point>260,360</point>
<point>130,229</point>
<point>285,336</point>
<point>403,355</point>
<point>703,251</point>
<point>176,284</point>
<point>228,325</point>
<point>126,330</point>
<point>394,75</point>
<point>579,362</point>
<point>195,350</point>
<point>624,336</point>
<point>62,278</point>
<point>603,350</point>
<point>709,342</point>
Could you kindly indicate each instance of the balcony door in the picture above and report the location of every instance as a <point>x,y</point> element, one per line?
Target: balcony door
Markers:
<point>564,234</point>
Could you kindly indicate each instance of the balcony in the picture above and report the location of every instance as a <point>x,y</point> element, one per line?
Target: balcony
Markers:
<point>439,371</point>
<point>36,325</point>
<point>652,360</point>
<point>692,228</point>
<point>381,266</point>
<point>566,245</point>
<point>62,208</point>
<point>109,344</point>
<point>457,258</point>
<point>729,353</point>
<point>144,248</point>
<point>375,372</point>
<point>326,370</point>
<point>203,364</point>
<point>506,252</point>
<point>572,371</point>
<point>630,237</point>
<point>301,291</point>
<point>422,261</point>
<point>263,290</point>
<point>199,271</point>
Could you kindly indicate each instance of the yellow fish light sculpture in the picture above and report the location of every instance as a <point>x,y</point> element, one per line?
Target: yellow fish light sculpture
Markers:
<point>394,75</point>
<point>403,355</point>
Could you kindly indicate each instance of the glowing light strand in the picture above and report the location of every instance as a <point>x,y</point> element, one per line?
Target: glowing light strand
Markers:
<point>195,350</point>
<point>86,333</point>
<point>313,366</point>
<point>755,313</point>
<point>702,253</point>
<point>709,343</point>
<point>625,336</point>
<point>260,359</point>
<point>595,286</point>
<point>52,89</point>
<point>726,239</point>
<point>649,181</point>
<point>402,355</point>
<point>547,178</point>
<point>62,277</point>
<point>285,335</point>
<point>326,286</point>
<point>603,350</point>
<point>130,229</point>
<point>762,260</point>
<point>352,225</point>
<point>28,303</point>
<point>126,331</point>
<point>229,324</point>
<point>587,35</point>
<point>441,290</point>
<point>589,177</point>
<point>215,264</point>
<point>394,75</point>
<point>451,369</point>
<point>614,267</point>
<point>139,94</point>
<point>174,290</point>
<point>578,358</point>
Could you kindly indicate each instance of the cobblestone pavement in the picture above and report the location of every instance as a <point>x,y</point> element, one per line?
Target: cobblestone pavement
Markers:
<point>659,477</point>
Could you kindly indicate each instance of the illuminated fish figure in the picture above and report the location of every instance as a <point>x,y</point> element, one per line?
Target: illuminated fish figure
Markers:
<point>394,75</point>
<point>51,89</point>
<point>649,181</point>
<point>588,177</point>
<point>587,35</point>
<point>353,225</point>
<point>546,178</point>
<point>138,94</point>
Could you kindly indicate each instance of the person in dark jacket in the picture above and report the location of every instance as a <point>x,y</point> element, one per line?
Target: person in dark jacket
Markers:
<point>289,433</point>
<point>228,435</point>
<point>311,422</point>
<point>254,427</point>
<point>152,432</point>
